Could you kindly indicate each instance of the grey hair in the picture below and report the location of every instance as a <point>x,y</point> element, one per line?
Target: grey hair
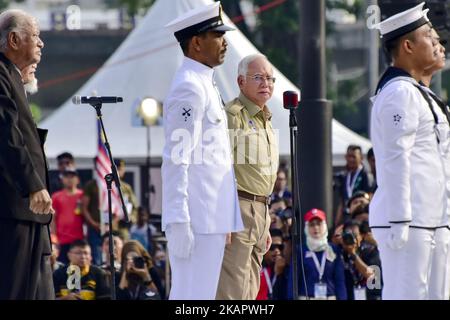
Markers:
<point>243,65</point>
<point>13,20</point>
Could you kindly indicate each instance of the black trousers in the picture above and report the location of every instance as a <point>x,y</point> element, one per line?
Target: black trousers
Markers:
<point>25,270</point>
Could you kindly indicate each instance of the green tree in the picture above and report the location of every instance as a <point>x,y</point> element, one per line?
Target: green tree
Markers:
<point>344,93</point>
<point>276,36</point>
<point>4,4</point>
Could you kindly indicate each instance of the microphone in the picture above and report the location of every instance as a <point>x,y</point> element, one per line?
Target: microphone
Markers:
<point>95,100</point>
<point>290,100</point>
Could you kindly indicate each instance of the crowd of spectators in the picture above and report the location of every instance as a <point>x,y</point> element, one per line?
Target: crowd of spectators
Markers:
<point>81,258</point>
<point>338,259</point>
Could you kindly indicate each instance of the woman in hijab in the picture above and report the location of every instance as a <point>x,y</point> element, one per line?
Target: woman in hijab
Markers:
<point>323,266</point>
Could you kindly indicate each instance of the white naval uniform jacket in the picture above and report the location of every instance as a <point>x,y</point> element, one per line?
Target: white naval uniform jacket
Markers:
<point>198,182</point>
<point>413,173</point>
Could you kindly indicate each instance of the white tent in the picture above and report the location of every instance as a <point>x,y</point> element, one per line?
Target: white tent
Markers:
<point>143,66</point>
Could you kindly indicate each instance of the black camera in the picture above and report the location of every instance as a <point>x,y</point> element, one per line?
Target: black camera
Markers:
<point>348,238</point>
<point>139,262</point>
<point>284,214</point>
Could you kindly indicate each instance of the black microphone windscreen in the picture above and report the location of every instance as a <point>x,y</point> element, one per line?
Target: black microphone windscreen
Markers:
<point>96,100</point>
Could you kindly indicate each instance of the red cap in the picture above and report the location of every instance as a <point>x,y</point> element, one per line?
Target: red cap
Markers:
<point>315,214</point>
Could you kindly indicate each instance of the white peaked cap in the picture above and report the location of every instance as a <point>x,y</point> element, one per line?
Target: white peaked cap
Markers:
<point>197,21</point>
<point>403,22</point>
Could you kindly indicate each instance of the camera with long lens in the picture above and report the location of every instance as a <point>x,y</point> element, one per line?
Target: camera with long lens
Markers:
<point>348,238</point>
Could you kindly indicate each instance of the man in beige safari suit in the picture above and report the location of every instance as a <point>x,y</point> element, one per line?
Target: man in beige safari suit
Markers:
<point>255,154</point>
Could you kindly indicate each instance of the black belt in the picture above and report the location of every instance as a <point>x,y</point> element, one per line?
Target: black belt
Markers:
<point>253,197</point>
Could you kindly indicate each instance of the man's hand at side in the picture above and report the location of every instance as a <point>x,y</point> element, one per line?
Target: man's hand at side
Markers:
<point>398,236</point>
<point>180,239</point>
<point>41,202</point>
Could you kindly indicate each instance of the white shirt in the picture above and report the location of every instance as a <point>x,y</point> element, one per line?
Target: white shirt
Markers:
<point>413,173</point>
<point>198,181</point>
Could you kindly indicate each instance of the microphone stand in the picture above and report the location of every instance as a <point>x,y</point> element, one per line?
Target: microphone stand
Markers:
<point>296,217</point>
<point>109,179</point>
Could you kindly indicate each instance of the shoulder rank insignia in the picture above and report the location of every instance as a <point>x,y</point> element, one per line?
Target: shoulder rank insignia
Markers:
<point>186,113</point>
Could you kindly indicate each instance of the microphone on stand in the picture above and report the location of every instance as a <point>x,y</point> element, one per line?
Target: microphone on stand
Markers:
<point>291,102</point>
<point>290,99</point>
<point>95,100</point>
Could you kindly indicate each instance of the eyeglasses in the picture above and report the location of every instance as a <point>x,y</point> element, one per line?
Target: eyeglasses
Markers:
<point>260,78</point>
<point>274,246</point>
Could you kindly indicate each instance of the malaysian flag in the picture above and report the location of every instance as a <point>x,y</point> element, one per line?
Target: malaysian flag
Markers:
<point>102,168</point>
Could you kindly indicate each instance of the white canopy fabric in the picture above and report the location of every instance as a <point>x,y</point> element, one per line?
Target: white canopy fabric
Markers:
<point>143,66</point>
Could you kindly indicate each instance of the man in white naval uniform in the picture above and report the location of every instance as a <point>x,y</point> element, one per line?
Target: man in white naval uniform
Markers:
<point>410,144</point>
<point>200,203</point>
<point>439,282</point>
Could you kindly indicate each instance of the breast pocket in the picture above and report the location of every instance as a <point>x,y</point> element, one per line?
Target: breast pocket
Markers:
<point>215,139</point>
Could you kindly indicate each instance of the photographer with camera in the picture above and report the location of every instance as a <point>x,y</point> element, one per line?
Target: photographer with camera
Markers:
<point>139,280</point>
<point>358,200</point>
<point>360,254</point>
<point>281,216</point>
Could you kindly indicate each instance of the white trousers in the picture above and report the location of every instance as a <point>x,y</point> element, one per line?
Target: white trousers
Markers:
<point>439,286</point>
<point>419,270</point>
<point>197,277</point>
